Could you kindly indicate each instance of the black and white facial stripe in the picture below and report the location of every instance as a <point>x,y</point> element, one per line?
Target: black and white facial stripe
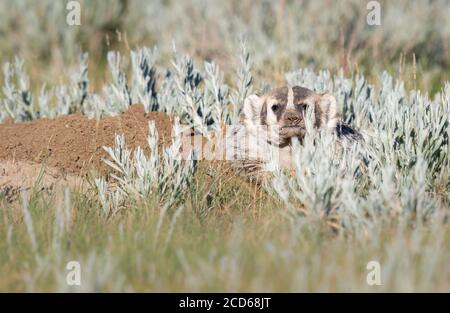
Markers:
<point>284,100</point>
<point>282,112</point>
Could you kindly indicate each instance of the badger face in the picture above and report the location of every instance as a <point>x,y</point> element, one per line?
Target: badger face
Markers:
<point>280,114</point>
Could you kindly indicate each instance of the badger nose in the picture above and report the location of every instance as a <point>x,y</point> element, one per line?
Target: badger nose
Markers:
<point>292,117</point>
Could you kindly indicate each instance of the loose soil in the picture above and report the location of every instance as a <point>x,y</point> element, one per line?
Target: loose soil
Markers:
<point>74,143</point>
<point>60,152</point>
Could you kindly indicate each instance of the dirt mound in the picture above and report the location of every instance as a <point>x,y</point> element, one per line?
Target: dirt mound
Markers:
<point>73,143</point>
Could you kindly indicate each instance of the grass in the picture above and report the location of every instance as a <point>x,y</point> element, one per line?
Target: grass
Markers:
<point>241,242</point>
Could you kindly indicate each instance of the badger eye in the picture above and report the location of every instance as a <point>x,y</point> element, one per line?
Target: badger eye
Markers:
<point>275,107</point>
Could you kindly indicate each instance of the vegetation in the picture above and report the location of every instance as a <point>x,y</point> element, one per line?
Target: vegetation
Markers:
<point>170,225</point>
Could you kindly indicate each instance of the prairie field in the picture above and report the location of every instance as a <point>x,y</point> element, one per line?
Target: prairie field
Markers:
<point>94,106</point>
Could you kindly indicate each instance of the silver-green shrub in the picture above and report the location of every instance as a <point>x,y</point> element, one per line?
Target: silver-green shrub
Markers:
<point>200,97</point>
<point>163,175</point>
<point>396,172</point>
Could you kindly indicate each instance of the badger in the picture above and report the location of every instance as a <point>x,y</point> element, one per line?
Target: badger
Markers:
<point>271,121</point>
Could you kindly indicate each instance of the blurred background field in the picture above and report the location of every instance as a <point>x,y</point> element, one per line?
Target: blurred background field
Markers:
<point>412,42</point>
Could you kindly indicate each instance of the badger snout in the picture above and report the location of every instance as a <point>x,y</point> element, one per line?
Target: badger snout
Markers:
<point>291,118</point>
<point>291,125</point>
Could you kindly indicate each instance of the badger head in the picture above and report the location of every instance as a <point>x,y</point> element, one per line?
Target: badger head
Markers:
<point>280,114</point>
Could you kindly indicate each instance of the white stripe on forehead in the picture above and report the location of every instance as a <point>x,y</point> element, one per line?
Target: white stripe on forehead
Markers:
<point>290,99</point>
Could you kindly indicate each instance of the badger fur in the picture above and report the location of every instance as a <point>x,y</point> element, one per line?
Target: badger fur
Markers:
<point>269,122</point>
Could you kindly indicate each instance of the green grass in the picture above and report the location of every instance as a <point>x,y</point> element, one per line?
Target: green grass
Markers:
<point>237,240</point>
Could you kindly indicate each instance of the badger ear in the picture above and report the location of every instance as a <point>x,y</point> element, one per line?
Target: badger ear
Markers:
<point>252,108</point>
<point>329,113</point>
